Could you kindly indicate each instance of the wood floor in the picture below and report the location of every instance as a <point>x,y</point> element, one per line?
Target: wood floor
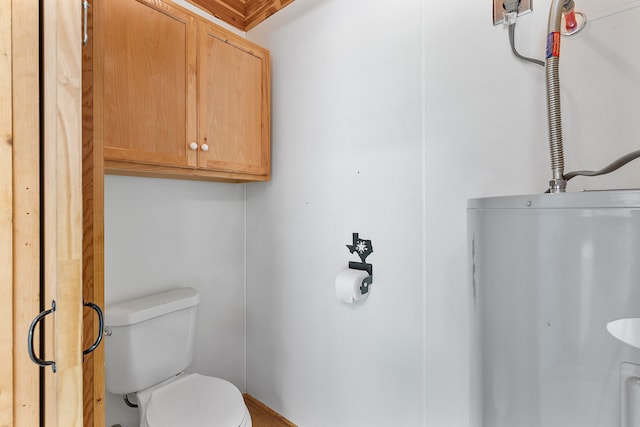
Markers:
<point>263,416</point>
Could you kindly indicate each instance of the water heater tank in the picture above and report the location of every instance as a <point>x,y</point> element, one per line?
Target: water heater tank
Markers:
<point>548,273</point>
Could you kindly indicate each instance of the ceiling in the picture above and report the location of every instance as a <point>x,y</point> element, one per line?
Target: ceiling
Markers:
<point>242,14</point>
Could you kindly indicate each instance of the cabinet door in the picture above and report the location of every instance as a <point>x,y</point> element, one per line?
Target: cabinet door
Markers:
<point>146,81</point>
<point>233,104</point>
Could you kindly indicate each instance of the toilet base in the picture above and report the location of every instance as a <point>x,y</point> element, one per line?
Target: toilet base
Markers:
<point>193,400</point>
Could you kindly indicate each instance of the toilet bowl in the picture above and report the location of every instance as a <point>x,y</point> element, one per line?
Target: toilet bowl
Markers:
<point>149,344</point>
<point>193,400</point>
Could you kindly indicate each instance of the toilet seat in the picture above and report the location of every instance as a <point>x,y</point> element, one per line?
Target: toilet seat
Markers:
<point>197,401</point>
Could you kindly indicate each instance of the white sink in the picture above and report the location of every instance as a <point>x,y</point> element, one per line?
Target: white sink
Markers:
<point>626,330</point>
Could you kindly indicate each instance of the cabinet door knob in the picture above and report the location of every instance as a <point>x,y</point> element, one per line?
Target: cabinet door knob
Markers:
<point>193,146</point>
<point>204,147</point>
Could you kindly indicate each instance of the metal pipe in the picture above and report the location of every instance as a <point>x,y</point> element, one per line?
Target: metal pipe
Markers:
<point>125,397</point>
<point>558,183</point>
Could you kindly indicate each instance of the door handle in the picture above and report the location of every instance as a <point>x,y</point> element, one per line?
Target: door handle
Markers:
<point>100,327</point>
<point>34,358</point>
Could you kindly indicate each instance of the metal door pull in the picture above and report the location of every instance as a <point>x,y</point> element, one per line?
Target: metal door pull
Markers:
<point>37,360</point>
<point>100,327</point>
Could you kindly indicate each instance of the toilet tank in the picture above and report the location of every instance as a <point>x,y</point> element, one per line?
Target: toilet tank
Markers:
<point>149,339</point>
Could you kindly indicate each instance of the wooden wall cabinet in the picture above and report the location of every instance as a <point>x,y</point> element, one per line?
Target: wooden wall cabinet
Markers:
<point>178,96</point>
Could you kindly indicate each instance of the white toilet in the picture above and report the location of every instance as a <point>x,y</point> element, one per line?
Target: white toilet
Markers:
<point>148,346</point>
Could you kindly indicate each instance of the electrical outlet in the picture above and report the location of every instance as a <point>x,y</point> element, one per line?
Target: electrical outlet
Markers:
<point>498,10</point>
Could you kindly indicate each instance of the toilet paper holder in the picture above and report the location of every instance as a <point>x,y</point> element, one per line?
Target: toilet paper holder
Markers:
<point>363,248</point>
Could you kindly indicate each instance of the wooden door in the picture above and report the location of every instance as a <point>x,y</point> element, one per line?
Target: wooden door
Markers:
<point>233,104</point>
<point>19,210</point>
<point>62,215</point>
<point>23,107</point>
<point>146,81</point>
<point>6,219</point>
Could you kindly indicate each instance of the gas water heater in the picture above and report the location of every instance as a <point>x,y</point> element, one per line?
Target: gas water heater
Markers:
<point>548,273</point>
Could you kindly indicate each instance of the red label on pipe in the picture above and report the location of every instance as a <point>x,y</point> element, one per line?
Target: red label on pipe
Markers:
<point>553,44</point>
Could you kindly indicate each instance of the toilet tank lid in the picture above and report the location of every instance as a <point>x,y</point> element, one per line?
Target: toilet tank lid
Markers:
<point>140,309</point>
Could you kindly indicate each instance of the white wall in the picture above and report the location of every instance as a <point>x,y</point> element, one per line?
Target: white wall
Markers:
<point>348,156</point>
<point>162,234</point>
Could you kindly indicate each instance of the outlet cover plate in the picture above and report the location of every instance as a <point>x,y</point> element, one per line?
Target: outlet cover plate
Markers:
<point>498,10</point>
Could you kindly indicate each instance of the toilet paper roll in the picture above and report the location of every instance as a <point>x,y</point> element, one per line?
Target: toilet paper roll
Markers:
<point>348,285</point>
